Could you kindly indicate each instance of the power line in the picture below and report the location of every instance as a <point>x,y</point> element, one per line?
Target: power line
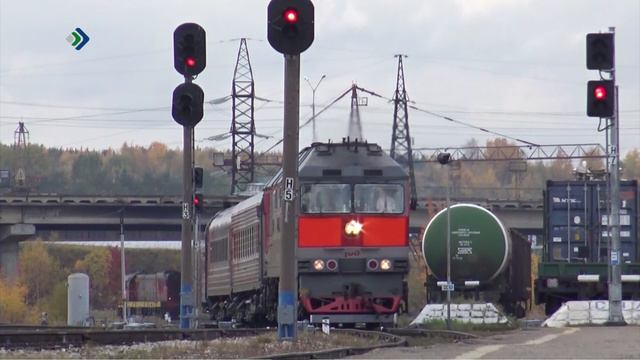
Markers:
<point>452,120</point>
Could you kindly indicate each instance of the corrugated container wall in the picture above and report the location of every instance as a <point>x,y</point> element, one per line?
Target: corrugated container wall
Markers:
<point>576,221</point>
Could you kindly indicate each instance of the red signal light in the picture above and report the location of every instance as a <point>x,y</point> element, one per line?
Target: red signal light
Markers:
<point>600,93</point>
<point>190,62</point>
<point>291,16</point>
<point>196,200</point>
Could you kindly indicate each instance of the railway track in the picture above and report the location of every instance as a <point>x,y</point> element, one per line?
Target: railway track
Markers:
<point>382,339</point>
<point>41,338</point>
<point>449,334</point>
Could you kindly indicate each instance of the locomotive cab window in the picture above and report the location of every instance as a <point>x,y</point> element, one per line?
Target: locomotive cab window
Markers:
<point>325,198</point>
<point>379,198</point>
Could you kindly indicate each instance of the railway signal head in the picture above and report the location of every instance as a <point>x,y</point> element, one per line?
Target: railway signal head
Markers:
<point>198,202</point>
<point>189,49</point>
<point>188,102</point>
<point>444,158</point>
<point>600,51</point>
<point>290,25</point>
<point>198,174</point>
<point>600,98</point>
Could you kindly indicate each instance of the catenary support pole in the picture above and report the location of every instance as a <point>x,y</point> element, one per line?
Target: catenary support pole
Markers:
<point>448,247</point>
<point>122,267</point>
<point>615,286</point>
<point>288,286</point>
<point>186,273</point>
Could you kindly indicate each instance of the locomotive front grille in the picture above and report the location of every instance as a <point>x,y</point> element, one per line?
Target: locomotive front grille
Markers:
<point>304,265</point>
<point>401,265</point>
<point>352,265</point>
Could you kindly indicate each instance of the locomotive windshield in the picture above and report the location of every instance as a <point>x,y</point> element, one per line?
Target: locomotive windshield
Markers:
<point>337,198</point>
<point>326,198</point>
<point>379,198</point>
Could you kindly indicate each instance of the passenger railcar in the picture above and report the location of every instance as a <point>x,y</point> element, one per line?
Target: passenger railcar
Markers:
<point>352,246</point>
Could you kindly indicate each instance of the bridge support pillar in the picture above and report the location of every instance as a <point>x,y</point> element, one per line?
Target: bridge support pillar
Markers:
<point>10,237</point>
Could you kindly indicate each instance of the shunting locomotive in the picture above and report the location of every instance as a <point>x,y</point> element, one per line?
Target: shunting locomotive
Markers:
<point>352,246</point>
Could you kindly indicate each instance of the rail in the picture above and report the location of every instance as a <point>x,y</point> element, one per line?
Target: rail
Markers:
<point>383,340</point>
<point>58,338</point>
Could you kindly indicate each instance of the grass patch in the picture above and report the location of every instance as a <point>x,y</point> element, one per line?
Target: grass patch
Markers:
<point>457,325</point>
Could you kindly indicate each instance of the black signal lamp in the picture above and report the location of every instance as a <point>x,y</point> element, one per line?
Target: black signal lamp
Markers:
<point>600,98</point>
<point>444,158</point>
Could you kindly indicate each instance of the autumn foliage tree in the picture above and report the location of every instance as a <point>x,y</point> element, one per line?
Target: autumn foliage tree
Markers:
<point>631,165</point>
<point>13,308</point>
<point>97,265</point>
<point>38,271</point>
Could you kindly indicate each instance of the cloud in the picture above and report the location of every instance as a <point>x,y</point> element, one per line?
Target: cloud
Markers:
<point>472,9</point>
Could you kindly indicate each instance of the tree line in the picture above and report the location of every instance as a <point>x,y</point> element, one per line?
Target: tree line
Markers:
<point>157,170</point>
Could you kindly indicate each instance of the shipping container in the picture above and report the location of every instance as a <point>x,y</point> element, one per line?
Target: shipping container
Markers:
<point>577,242</point>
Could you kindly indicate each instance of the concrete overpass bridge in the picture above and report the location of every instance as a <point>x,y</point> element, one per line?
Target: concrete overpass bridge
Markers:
<point>158,218</point>
<point>91,218</point>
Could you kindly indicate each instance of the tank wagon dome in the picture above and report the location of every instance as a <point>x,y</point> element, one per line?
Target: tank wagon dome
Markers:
<point>480,246</point>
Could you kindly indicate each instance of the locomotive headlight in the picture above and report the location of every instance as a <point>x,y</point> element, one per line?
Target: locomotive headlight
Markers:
<point>318,265</point>
<point>385,264</point>
<point>353,228</point>
<point>332,264</point>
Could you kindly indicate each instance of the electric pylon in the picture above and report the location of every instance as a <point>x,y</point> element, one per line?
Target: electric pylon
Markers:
<point>355,126</point>
<point>400,137</point>
<point>243,126</point>
<point>20,142</point>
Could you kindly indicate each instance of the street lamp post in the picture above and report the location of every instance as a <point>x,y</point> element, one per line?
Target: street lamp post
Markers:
<point>313,104</point>
<point>444,159</point>
<point>122,268</point>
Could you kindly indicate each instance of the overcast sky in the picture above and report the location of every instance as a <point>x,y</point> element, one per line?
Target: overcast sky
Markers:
<point>515,67</point>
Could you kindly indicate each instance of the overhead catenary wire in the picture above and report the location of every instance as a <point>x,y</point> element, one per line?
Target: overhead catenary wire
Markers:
<point>472,126</point>
<point>448,118</point>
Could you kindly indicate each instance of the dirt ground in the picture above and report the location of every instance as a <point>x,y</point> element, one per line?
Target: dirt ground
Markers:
<point>231,348</point>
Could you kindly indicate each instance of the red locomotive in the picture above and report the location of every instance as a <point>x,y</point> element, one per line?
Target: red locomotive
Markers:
<point>154,294</point>
<point>352,254</point>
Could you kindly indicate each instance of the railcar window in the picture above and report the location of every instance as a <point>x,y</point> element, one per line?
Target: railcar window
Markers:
<point>379,198</point>
<point>218,250</point>
<point>253,240</point>
<point>325,198</point>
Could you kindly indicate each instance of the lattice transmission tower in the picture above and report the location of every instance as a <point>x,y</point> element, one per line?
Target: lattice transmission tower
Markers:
<point>242,126</point>
<point>400,136</point>
<point>20,142</point>
<point>355,126</point>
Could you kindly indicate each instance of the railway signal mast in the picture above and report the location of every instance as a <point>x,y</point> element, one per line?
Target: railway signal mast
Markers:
<point>602,102</point>
<point>189,59</point>
<point>290,31</point>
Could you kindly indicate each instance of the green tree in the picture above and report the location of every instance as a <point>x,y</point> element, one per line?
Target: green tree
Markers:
<point>56,303</point>
<point>87,174</point>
